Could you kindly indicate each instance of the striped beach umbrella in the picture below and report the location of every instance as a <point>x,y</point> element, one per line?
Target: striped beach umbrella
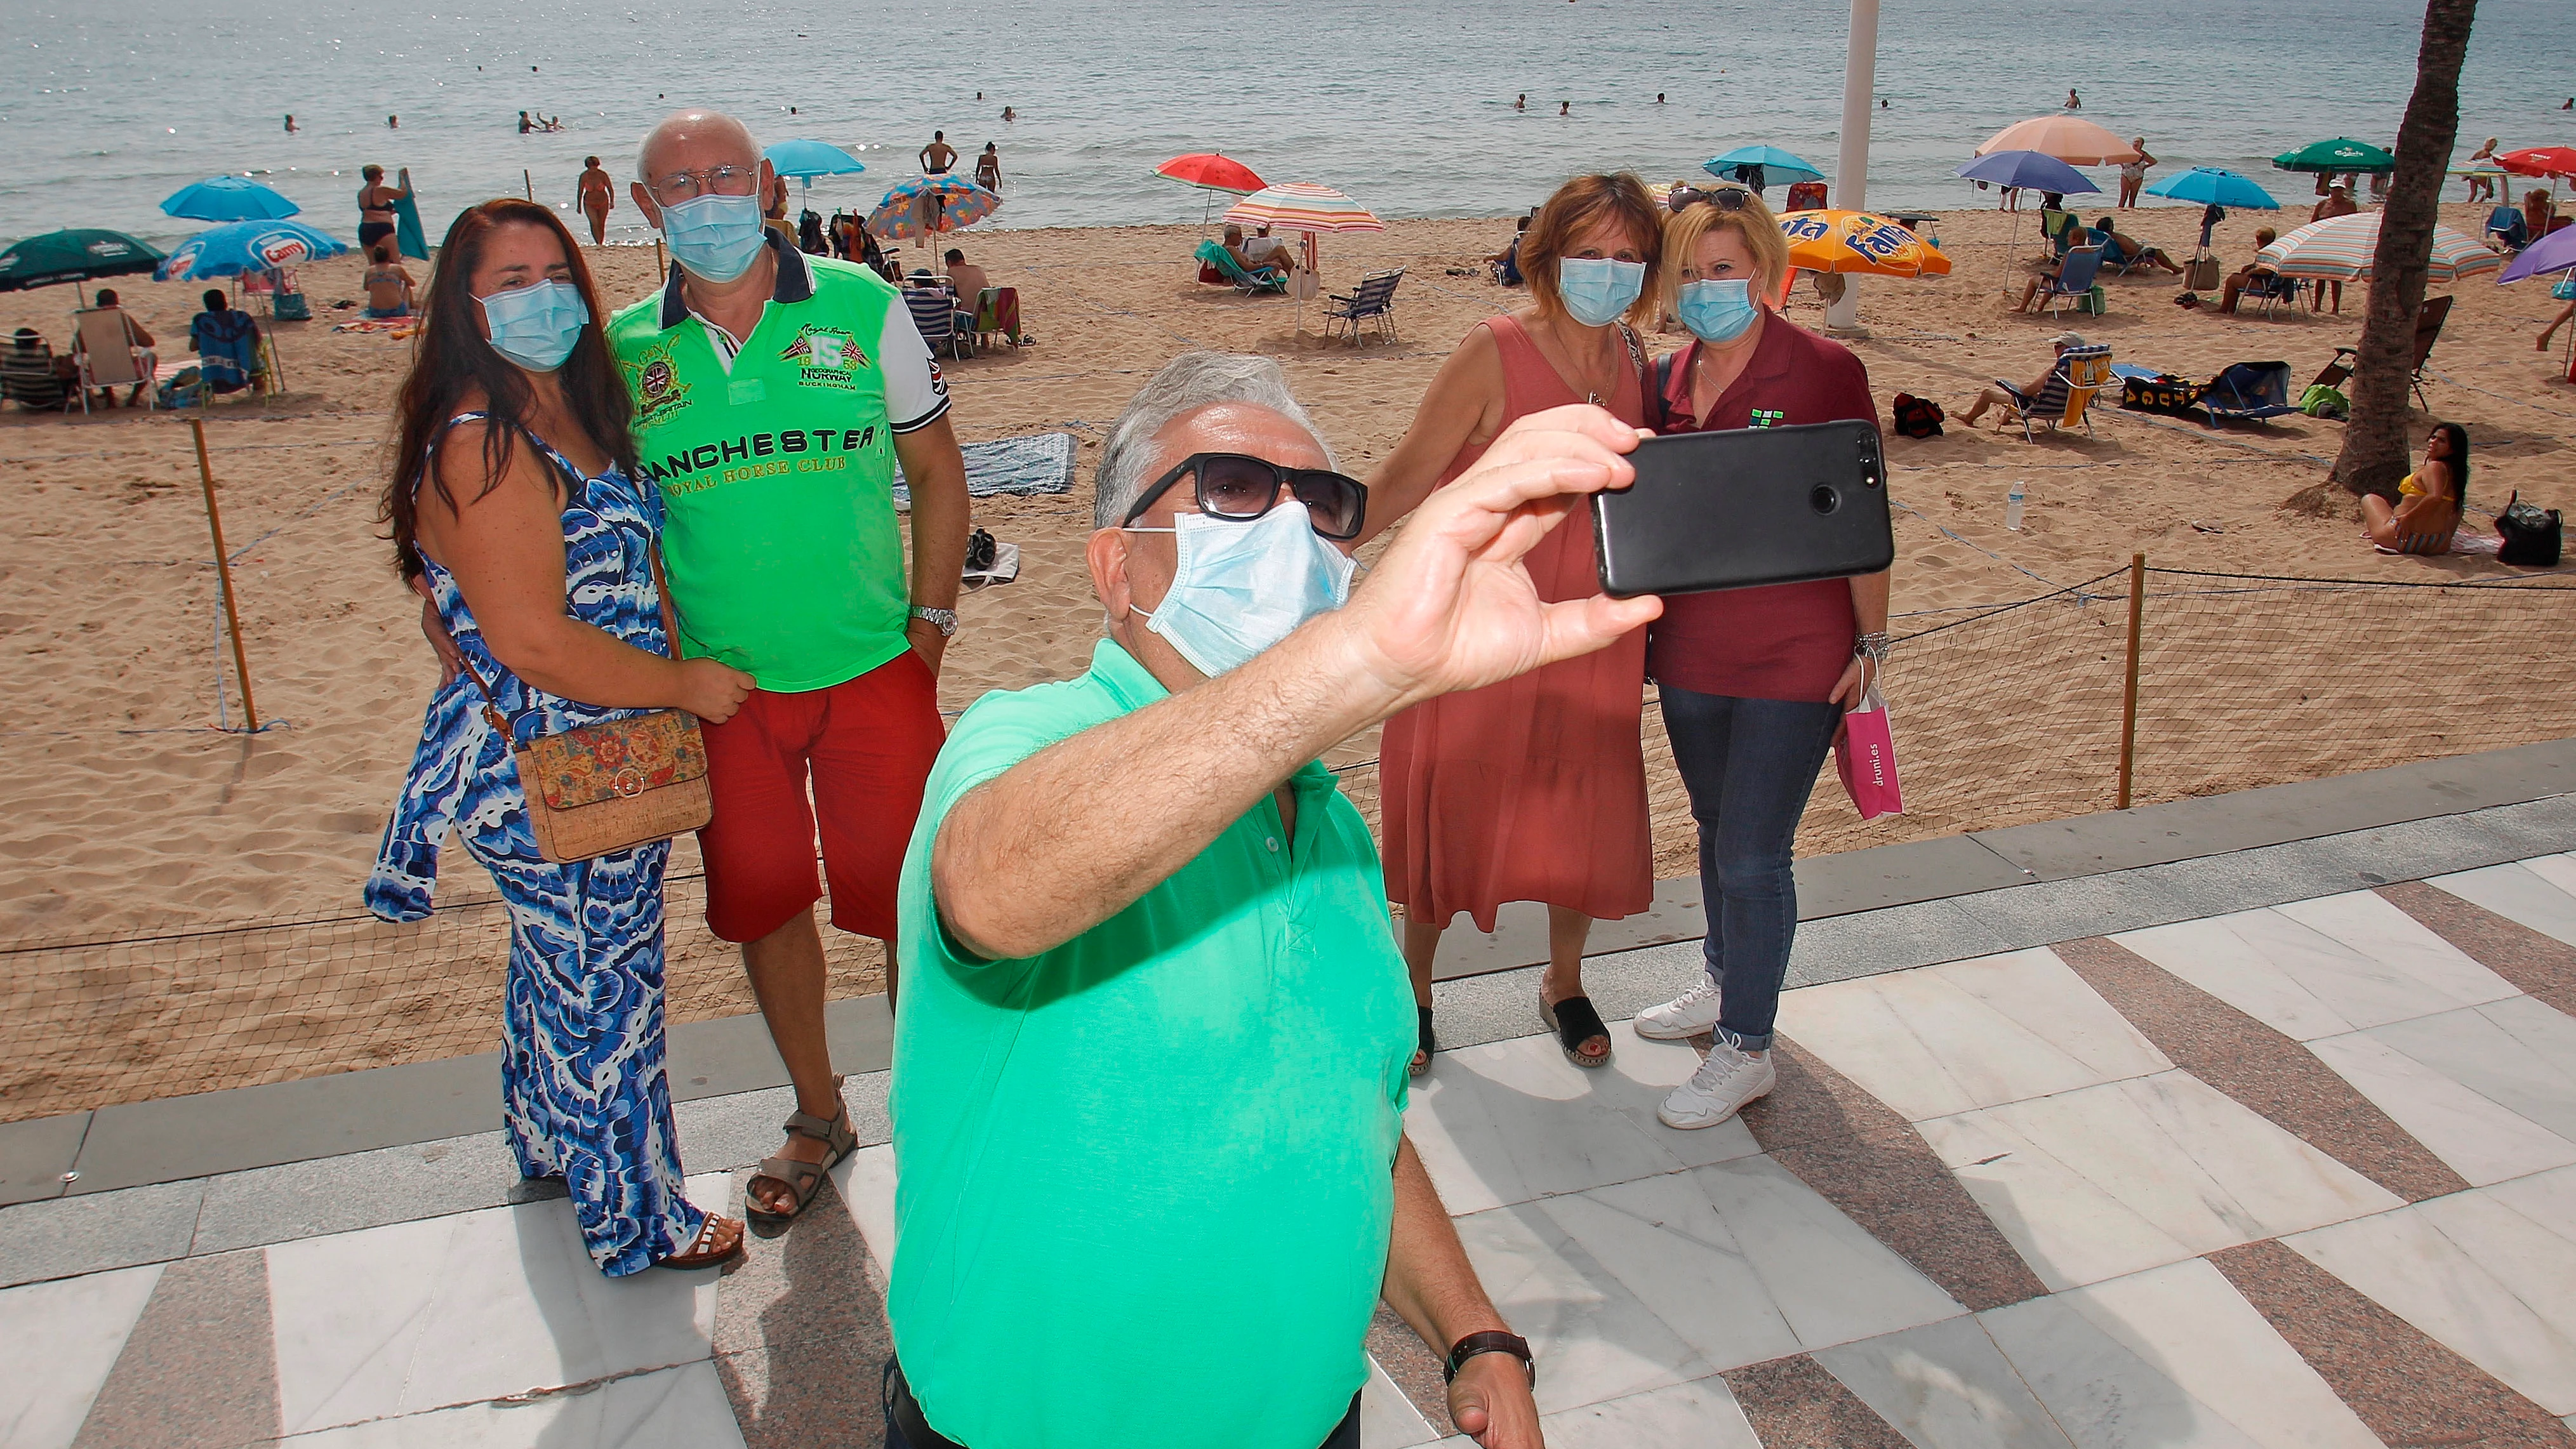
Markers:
<point>2339,249</point>
<point>1302,206</point>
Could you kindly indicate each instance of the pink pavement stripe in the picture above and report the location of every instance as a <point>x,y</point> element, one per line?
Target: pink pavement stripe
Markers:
<point>2260,1068</point>
<point>800,1334</point>
<point>199,1371</point>
<point>1793,1403</point>
<point>1861,1156</point>
<point>2541,965</point>
<point>2406,1387</point>
<point>1413,1366</point>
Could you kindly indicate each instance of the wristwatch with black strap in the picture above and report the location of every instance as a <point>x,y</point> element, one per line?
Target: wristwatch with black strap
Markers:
<point>1489,1341</point>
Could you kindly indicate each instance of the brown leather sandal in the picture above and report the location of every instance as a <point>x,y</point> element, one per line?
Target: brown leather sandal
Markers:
<point>802,1178</point>
<point>719,1241</point>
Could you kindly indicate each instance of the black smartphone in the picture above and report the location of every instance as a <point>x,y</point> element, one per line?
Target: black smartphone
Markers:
<point>1731,510</point>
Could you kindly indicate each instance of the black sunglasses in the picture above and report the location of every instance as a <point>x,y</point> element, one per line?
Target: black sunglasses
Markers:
<point>1725,196</point>
<point>1240,488</point>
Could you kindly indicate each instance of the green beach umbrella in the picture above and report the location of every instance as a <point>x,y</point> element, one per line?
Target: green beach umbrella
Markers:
<point>73,256</point>
<point>2340,154</point>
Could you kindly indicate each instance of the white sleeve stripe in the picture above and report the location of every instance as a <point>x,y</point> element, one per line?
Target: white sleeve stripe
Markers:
<point>925,420</point>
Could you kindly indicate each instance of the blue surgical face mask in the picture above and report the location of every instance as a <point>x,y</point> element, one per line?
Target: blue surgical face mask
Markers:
<point>714,237</point>
<point>537,326</point>
<point>1716,310</point>
<point>1242,587</point>
<point>1597,290</point>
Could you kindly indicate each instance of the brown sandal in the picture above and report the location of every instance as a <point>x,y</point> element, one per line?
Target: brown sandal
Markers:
<point>719,1241</point>
<point>800,1177</point>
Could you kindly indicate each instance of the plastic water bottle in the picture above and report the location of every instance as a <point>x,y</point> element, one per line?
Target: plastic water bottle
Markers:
<point>2012,506</point>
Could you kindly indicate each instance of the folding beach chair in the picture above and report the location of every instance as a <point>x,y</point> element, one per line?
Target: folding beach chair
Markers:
<point>108,355</point>
<point>2059,227</point>
<point>28,378</point>
<point>2248,392</point>
<point>2269,290</point>
<point>2505,224</point>
<point>1215,255</point>
<point>233,355</point>
<point>2065,399</point>
<point>1373,300</point>
<point>934,312</point>
<point>2074,279</point>
<point>997,312</point>
<point>2428,330</point>
<point>1805,196</point>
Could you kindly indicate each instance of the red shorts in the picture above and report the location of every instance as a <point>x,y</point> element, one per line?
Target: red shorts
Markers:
<point>866,747</point>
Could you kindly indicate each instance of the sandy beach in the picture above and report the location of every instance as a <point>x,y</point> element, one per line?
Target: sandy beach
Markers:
<point>128,816</point>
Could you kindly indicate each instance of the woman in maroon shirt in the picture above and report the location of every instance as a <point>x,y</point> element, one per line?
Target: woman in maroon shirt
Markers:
<point>1753,682</point>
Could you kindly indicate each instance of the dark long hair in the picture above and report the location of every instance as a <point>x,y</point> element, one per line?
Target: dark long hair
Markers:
<point>2459,461</point>
<point>454,358</point>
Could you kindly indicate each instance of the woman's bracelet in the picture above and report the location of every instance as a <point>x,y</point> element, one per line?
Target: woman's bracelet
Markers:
<point>1872,647</point>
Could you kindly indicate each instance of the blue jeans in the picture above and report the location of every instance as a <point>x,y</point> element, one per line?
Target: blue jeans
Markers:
<point>1748,765</point>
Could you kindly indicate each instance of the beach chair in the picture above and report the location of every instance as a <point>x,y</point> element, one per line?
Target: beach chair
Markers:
<point>28,378</point>
<point>2248,392</point>
<point>1373,300</point>
<point>1805,196</point>
<point>233,355</point>
<point>2067,397</point>
<point>934,312</point>
<point>1214,254</point>
<point>2428,330</point>
<point>2074,279</point>
<point>108,356</point>
<point>997,312</point>
<point>2059,228</point>
<point>2269,290</point>
<point>2506,226</point>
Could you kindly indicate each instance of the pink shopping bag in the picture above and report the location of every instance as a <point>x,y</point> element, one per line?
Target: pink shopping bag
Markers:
<point>1865,756</point>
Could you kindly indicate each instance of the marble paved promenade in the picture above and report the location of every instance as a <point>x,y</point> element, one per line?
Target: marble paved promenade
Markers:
<point>2299,1174</point>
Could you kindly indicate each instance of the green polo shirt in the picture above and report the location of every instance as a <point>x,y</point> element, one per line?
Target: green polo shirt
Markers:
<point>1146,1178</point>
<point>774,454</point>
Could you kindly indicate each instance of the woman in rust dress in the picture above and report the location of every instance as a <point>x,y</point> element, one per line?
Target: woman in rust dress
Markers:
<point>1534,789</point>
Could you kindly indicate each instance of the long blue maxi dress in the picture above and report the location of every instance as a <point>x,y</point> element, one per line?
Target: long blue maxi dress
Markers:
<point>583,1091</point>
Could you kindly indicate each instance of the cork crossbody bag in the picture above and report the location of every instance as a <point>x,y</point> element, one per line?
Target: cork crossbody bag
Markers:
<point>609,786</point>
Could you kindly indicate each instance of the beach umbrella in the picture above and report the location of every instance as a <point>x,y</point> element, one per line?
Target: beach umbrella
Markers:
<point>247,246</point>
<point>2215,186</point>
<point>2555,252</point>
<point>2028,171</point>
<point>227,198</point>
<point>1211,172</point>
<point>72,256</point>
<point>1777,165</point>
<point>2340,154</point>
<point>2339,249</point>
<point>801,161</point>
<point>1304,207</point>
<point>1859,243</point>
<point>2540,161</point>
<point>2071,139</point>
<point>929,205</point>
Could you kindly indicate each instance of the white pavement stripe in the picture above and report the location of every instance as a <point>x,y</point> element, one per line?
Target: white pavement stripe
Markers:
<point>2481,1097</point>
<point>1388,1419</point>
<point>2322,967</point>
<point>676,1408</point>
<point>62,1339</point>
<point>2540,894</point>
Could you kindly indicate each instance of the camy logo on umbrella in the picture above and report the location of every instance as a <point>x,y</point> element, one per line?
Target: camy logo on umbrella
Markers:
<point>277,251</point>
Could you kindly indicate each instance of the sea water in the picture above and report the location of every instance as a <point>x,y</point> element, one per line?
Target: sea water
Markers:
<point>106,106</point>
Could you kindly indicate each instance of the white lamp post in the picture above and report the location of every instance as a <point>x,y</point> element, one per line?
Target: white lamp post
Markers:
<point>1860,85</point>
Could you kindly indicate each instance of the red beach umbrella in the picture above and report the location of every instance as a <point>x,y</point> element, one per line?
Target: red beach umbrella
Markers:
<point>1212,170</point>
<point>2540,161</point>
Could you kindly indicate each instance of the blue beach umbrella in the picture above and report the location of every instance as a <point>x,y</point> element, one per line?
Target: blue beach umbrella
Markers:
<point>227,198</point>
<point>805,160</point>
<point>1777,165</point>
<point>247,246</point>
<point>2028,171</point>
<point>2216,186</point>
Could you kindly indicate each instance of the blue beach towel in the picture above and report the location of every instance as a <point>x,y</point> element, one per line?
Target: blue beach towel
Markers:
<point>1038,463</point>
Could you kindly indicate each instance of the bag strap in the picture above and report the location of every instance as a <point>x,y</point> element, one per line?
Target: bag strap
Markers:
<point>492,715</point>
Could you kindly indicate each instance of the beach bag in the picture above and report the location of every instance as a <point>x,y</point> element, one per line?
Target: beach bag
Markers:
<point>2094,303</point>
<point>2163,393</point>
<point>1865,756</point>
<point>2565,291</point>
<point>2200,274</point>
<point>610,786</point>
<point>1916,417</point>
<point>2324,401</point>
<point>2531,535</point>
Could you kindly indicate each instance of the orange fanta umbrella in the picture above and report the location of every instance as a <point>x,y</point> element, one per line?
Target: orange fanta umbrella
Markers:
<point>1859,242</point>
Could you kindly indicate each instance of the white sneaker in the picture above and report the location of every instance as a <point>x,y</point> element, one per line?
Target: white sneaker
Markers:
<point>1686,1015</point>
<point>1721,1086</point>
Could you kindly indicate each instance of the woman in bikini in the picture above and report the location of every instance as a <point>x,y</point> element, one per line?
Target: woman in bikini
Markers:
<point>2427,510</point>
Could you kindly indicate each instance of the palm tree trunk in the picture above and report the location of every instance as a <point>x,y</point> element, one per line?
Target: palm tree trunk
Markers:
<point>2375,444</point>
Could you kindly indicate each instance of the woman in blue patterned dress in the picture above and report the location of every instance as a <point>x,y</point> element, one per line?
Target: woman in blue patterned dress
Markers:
<point>517,510</point>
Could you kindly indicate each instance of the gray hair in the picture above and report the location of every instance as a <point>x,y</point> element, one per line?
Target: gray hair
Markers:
<point>1187,383</point>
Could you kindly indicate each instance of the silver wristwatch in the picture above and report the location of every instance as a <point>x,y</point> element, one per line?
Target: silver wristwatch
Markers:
<point>943,620</point>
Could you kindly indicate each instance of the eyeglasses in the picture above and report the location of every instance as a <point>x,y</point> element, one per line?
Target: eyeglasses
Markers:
<point>1725,196</point>
<point>682,186</point>
<point>1239,489</point>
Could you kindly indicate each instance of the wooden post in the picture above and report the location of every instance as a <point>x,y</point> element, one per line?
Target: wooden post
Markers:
<point>662,269</point>
<point>2129,696</point>
<point>529,183</point>
<point>224,572</point>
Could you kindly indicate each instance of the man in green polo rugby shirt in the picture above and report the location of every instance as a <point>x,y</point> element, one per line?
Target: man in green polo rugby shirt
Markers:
<point>1149,1071</point>
<point>774,393</point>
